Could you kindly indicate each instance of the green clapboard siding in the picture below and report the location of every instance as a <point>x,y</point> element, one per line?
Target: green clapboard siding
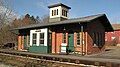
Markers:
<point>38,49</point>
<point>49,49</point>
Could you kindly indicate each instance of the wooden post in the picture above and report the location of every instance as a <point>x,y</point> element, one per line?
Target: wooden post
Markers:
<point>86,43</point>
<point>53,42</point>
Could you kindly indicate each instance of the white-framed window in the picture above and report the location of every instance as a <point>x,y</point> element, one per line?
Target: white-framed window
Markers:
<point>41,39</point>
<point>78,39</point>
<point>64,38</point>
<point>57,11</point>
<point>54,12</point>
<point>34,39</point>
<point>64,13</point>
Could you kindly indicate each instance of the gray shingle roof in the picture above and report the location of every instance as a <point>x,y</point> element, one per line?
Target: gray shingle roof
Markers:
<point>75,20</point>
<point>106,22</point>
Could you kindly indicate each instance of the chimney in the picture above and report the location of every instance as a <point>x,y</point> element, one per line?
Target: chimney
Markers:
<point>58,12</point>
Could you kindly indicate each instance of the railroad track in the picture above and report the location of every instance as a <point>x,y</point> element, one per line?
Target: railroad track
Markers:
<point>85,61</point>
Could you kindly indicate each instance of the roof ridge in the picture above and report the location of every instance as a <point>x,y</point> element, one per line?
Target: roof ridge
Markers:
<point>88,16</point>
<point>72,20</point>
<point>59,4</point>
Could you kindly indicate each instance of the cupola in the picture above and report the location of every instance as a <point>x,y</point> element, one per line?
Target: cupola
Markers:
<point>58,12</point>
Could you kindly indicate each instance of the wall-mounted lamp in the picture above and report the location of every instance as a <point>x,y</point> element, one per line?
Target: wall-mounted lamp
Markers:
<point>64,29</point>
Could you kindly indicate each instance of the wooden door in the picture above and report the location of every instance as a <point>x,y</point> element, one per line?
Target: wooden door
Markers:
<point>71,42</point>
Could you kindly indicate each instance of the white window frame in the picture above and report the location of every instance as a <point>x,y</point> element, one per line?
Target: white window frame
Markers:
<point>78,33</point>
<point>38,31</point>
<point>41,39</point>
<point>34,39</point>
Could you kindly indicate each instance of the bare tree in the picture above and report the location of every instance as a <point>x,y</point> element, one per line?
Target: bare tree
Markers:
<point>6,16</point>
<point>6,13</point>
<point>44,19</point>
<point>7,23</point>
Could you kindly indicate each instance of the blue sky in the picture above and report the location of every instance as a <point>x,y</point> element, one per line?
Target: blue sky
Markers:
<point>79,8</point>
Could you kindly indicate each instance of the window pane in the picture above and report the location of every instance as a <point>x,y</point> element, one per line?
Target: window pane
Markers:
<point>52,12</point>
<point>62,12</point>
<point>34,42</point>
<point>34,35</point>
<point>66,13</point>
<point>41,38</point>
<point>41,41</point>
<point>34,38</point>
<point>64,41</point>
<point>78,38</point>
<point>78,42</point>
<point>41,35</point>
<point>64,37</point>
<point>57,11</point>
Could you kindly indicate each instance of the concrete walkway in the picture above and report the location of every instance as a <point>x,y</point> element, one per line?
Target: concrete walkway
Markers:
<point>108,56</point>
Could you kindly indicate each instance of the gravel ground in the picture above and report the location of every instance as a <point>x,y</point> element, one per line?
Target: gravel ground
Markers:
<point>5,65</point>
<point>111,52</point>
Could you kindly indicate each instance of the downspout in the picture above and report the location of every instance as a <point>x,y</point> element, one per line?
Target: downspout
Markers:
<point>48,40</point>
<point>81,29</point>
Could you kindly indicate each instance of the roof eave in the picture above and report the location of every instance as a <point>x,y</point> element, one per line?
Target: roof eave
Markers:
<point>59,4</point>
<point>49,25</point>
<point>110,29</point>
